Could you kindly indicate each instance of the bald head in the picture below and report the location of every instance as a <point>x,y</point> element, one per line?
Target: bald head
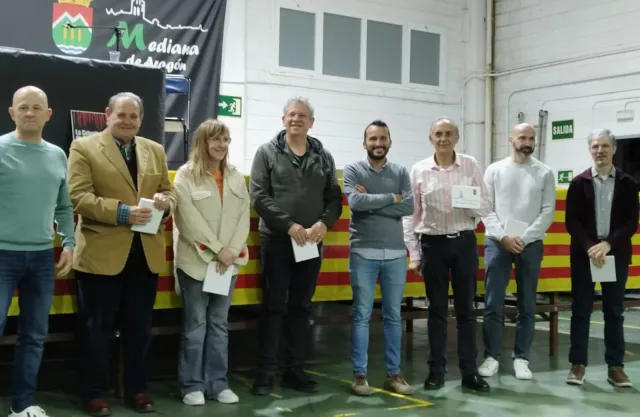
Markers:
<point>523,141</point>
<point>444,136</point>
<point>523,129</point>
<point>31,91</point>
<point>444,122</point>
<point>30,111</point>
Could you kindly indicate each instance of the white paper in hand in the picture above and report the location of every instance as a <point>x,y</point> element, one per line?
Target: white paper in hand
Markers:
<point>605,274</point>
<point>216,283</point>
<point>156,217</point>
<point>515,228</point>
<point>465,196</point>
<point>305,252</point>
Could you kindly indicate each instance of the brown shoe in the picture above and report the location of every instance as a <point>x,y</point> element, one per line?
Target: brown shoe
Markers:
<point>98,407</point>
<point>397,384</point>
<point>141,403</point>
<point>618,378</point>
<point>576,375</point>
<point>360,386</point>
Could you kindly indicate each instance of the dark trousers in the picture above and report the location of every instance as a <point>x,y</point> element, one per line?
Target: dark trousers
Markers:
<point>287,290</point>
<point>582,291</point>
<point>130,294</point>
<point>458,254</point>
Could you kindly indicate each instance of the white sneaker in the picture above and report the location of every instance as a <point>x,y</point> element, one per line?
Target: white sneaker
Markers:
<point>521,368</point>
<point>33,411</point>
<point>489,367</point>
<point>227,396</point>
<point>194,398</point>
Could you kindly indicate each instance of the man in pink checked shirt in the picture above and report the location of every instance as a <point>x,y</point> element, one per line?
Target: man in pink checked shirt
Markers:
<point>441,239</point>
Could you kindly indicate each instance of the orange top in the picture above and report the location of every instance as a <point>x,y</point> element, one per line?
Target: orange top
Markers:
<point>218,176</point>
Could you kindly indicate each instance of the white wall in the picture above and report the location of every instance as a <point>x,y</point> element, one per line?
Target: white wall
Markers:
<point>232,78</point>
<point>536,39</point>
<point>343,107</point>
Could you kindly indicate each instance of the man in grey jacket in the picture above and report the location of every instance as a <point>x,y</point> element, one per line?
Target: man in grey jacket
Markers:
<point>294,189</point>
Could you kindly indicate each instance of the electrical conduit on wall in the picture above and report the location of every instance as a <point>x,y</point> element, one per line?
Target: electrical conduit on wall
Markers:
<point>473,105</point>
<point>563,84</point>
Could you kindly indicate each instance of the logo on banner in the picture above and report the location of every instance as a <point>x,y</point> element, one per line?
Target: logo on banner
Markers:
<point>72,41</point>
<point>148,39</point>
<point>134,35</point>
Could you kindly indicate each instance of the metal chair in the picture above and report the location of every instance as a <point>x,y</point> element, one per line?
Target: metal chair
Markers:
<point>178,84</point>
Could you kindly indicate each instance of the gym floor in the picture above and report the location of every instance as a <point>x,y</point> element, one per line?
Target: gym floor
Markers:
<point>546,395</point>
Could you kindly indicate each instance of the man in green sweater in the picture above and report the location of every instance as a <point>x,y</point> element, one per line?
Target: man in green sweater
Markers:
<point>34,194</point>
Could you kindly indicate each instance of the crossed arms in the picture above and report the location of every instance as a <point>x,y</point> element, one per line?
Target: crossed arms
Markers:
<point>387,205</point>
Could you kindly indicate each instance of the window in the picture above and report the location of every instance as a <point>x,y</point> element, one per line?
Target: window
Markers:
<point>384,52</point>
<point>323,44</point>
<point>341,46</point>
<point>297,39</point>
<point>425,58</point>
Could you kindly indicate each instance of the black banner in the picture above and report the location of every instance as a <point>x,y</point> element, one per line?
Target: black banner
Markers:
<point>73,83</point>
<point>183,37</point>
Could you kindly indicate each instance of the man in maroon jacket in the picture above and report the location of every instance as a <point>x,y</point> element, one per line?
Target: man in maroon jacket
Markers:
<point>601,217</point>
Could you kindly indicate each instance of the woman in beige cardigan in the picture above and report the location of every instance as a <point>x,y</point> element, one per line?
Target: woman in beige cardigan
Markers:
<point>211,224</point>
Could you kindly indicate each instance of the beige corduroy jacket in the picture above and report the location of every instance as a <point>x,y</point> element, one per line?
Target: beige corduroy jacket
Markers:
<point>203,225</point>
<point>98,180</point>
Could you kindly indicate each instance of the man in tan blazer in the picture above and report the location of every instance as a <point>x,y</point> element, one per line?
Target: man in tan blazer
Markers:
<point>117,269</point>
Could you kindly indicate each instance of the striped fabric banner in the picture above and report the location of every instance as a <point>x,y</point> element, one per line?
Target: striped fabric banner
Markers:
<point>333,282</point>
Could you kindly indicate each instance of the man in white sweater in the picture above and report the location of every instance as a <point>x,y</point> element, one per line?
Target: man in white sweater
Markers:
<point>523,195</point>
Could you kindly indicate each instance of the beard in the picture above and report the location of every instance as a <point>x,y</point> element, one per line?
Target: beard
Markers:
<point>377,157</point>
<point>525,150</point>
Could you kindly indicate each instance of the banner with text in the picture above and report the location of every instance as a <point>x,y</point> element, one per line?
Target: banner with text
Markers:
<point>182,37</point>
<point>87,123</point>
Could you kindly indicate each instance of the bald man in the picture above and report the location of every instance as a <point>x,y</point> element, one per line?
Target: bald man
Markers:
<point>523,195</point>
<point>33,186</point>
<point>442,242</point>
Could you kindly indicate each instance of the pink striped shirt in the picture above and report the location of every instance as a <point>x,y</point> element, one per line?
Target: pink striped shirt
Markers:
<point>433,214</point>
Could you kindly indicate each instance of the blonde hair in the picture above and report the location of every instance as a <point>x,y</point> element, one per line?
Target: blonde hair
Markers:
<point>199,155</point>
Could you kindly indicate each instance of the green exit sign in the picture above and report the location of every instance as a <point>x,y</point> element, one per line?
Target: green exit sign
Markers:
<point>562,129</point>
<point>230,106</point>
<point>565,177</point>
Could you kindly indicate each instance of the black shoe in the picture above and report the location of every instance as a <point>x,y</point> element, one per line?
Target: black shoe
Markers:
<point>263,385</point>
<point>296,379</point>
<point>435,381</point>
<point>475,382</point>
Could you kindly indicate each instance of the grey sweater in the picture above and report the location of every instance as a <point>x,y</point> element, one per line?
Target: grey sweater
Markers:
<point>284,192</point>
<point>376,219</point>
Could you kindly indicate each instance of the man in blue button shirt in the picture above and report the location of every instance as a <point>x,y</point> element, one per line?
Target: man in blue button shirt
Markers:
<point>379,195</point>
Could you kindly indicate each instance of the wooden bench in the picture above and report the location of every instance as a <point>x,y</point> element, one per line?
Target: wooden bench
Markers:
<point>410,312</point>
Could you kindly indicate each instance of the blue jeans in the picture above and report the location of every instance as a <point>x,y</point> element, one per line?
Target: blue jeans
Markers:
<point>33,274</point>
<point>204,353</point>
<point>393,276</point>
<point>498,261</point>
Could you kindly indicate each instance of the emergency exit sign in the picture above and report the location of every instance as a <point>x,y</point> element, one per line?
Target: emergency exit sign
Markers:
<point>562,129</point>
<point>565,177</point>
<point>230,106</point>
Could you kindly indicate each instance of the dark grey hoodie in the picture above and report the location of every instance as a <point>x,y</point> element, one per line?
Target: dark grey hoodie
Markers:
<point>283,192</point>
